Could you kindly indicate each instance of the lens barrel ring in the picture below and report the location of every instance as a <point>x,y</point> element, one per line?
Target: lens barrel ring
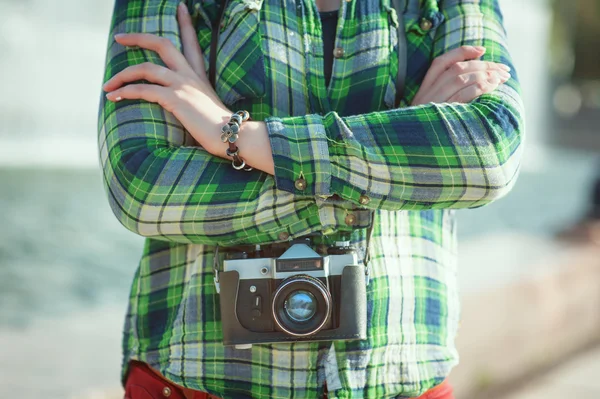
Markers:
<point>305,283</point>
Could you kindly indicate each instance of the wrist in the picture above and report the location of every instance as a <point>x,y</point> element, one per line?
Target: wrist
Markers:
<point>255,146</point>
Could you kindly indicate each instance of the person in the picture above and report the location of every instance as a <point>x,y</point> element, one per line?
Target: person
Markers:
<point>329,148</point>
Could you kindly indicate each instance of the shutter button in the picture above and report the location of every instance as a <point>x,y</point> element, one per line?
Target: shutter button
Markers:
<point>425,24</point>
<point>166,392</point>
<point>300,184</point>
<point>338,52</point>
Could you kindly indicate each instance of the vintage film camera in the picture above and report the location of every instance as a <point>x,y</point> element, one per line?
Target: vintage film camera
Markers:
<point>299,296</point>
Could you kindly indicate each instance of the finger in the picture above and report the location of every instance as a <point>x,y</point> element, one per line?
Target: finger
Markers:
<point>444,61</point>
<point>151,93</point>
<point>147,71</point>
<point>478,65</point>
<point>189,41</point>
<point>474,91</point>
<point>167,52</point>
<point>460,75</point>
<point>485,80</point>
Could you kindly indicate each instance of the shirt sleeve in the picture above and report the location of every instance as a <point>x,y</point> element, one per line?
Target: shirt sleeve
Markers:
<point>161,184</point>
<point>446,155</point>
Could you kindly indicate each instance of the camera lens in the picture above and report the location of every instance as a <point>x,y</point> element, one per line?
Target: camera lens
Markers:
<point>300,306</point>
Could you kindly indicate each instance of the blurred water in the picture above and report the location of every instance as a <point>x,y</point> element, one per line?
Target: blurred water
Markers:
<point>66,265</point>
<point>60,248</point>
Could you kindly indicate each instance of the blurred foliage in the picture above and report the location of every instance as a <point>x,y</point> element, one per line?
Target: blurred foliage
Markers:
<point>575,39</point>
<point>587,40</point>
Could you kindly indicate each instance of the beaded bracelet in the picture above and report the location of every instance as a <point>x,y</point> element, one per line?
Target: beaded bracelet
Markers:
<point>230,133</point>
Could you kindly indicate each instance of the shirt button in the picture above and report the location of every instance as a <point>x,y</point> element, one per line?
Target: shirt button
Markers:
<point>425,24</point>
<point>350,219</point>
<point>166,392</point>
<point>284,235</point>
<point>338,52</point>
<point>300,184</point>
<point>364,200</point>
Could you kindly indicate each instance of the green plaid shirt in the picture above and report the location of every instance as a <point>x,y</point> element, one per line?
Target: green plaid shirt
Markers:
<point>411,165</point>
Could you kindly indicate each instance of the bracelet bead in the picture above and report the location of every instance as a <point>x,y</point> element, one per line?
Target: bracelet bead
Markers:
<point>241,165</point>
<point>230,134</point>
<point>238,118</point>
<point>244,114</point>
<point>233,138</point>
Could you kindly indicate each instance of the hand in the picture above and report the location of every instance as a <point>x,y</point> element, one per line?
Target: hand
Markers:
<point>456,76</point>
<point>181,87</point>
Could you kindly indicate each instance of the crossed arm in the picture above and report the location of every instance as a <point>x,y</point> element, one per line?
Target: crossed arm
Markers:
<point>446,154</point>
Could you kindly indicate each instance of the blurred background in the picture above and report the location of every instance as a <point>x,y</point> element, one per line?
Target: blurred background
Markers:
<point>529,264</point>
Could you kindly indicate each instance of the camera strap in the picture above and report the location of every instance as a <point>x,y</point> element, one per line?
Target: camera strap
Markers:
<point>216,269</point>
<point>400,6</point>
<point>216,29</point>
<point>367,257</point>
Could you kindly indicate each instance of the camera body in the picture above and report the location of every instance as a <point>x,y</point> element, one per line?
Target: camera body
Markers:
<point>299,296</point>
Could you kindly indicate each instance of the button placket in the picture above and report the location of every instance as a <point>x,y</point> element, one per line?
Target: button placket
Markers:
<point>338,54</point>
<point>338,51</point>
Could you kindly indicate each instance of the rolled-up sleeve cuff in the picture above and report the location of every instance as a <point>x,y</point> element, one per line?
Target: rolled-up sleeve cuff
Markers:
<point>300,154</point>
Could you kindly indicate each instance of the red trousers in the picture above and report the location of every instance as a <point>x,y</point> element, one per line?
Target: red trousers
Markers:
<point>144,382</point>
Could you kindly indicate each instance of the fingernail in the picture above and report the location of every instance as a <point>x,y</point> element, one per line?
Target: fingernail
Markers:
<point>505,67</point>
<point>118,35</point>
<point>479,48</point>
<point>183,8</point>
<point>109,95</point>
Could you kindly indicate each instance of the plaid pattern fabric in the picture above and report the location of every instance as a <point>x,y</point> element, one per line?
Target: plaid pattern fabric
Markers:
<point>414,164</point>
